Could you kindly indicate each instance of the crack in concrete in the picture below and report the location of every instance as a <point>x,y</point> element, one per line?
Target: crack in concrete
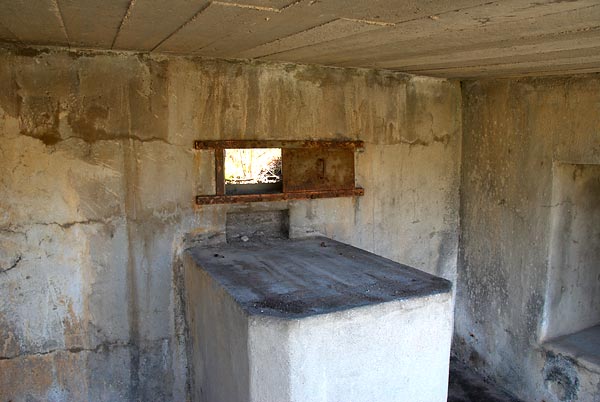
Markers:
<point>287,37</point>
<point>13,265</point>
<point>292,4</point>
<point>106,221</point>
<point>248,6</point>
<point>427,70</point>
<point>123,21</point>
<point>369,22</point>
<point>62,21</point>
<point>456,10</point>
<point>192,19</point>
<point>238,5</point>
<point>74,349</point>
<point>443,139</point>
<point>8,229</point>
<point>308,30</point>
<point>63,225</point>
<point>107,138</point>
<point>67,225</point>
<point>398,23</point>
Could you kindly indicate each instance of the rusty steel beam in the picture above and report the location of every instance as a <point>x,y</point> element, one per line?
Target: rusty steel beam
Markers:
<point>233,144</point>
<point>220,171</point>
<point>301,195</point>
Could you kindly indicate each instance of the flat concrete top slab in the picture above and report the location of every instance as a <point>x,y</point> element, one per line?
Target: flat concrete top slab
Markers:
<point>304,277</point>
<point>583,346</point>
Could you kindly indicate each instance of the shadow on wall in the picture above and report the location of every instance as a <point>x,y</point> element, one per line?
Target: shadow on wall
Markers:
<point>573,287</point>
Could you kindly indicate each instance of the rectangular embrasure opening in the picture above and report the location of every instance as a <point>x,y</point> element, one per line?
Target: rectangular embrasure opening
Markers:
<point>276,170</point>
<point>253,171</point>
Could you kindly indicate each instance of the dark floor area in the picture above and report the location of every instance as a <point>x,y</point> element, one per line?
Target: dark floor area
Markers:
<point>468,386</point>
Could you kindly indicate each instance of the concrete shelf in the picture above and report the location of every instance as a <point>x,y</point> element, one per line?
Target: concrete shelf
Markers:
<point>582,347</point>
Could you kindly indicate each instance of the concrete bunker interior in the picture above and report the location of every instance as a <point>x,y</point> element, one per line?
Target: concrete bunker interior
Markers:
<point>480,132</point>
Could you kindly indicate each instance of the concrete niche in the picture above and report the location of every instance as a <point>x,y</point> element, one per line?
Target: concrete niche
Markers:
<point>573,290</point>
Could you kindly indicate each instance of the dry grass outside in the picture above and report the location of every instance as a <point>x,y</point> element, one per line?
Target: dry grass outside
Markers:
<point>252,165</point>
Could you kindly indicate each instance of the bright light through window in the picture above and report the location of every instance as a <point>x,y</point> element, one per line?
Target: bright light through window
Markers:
<point>252,170</point>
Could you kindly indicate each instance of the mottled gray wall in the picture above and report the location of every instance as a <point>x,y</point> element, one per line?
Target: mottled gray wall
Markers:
<point>573,288</point>
<point>515,132</point>
<point>92,207</point>
<point>97,187</point>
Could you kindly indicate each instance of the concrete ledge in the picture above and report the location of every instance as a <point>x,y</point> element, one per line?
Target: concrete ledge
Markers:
<point>304,277</point>
<point>583,347</point>
<point>314,320</point>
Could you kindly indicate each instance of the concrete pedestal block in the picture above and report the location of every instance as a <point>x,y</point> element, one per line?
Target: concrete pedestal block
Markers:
<point>314,320</point>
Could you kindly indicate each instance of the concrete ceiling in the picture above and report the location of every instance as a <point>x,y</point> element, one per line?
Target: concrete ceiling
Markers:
<point>446,38</point>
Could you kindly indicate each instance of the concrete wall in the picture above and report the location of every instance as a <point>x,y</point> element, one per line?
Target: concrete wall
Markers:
<point>572,300</point>
<point>97,186</point>
<point>516,133</point>
<point>218,339</point>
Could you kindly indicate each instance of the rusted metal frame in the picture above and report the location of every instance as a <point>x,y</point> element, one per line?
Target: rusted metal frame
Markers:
<point>304,195</point>
<point>219,153</point>
<point>220,171</point>
<point>284,159</point>
<point>306,169</point>
<point>234,144</point>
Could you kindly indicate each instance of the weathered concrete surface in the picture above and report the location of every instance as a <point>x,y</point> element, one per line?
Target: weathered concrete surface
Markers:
<point>305,277</point>
<point>215,318</point>
<point>409,168</point>
<point>88,228</point>
<point>18,19</point>
<point>465,385</point>
<point>445,38</point>
<point>89,23</point>
<point>515,134</point>
<point>314,320</point>
<point>582,345</point>
<point>573,287</point>
<point>98,183</point>
<point>274,224</point>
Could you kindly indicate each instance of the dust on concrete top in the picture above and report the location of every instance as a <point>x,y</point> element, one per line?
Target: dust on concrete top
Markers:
<point>304,277</point>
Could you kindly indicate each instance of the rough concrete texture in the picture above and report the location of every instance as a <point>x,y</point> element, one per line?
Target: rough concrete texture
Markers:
<point>409,167</point>
<point>217,344</point>
<point>516,133</point>
<point>98,183</point>
<point>573,286</point>
<point>89,222</point>
<point>584,346</point>
<point>445,38</point>
<point>465,385</point>
<point>304,277</point>
<point>386,350</point>
<point>258,225</point>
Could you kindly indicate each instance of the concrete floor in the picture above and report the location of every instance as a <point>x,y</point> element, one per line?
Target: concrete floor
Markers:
<point>468,386</point>
<point>583,346</point>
